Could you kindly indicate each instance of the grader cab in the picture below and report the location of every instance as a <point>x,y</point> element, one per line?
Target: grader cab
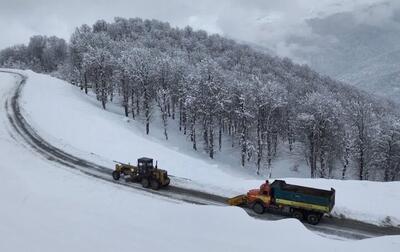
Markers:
<point>145,173</point>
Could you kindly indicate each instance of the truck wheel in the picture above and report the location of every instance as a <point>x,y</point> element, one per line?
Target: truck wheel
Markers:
<point>134,178</point>
<point>298,215</point>
<point>313,219</point>
<point>116,175</point>
<point>145,183</point>
<point>154,184</point>
<point>258,208</point>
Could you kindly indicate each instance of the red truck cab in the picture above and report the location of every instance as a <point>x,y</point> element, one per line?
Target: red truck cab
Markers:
<point>260,198</point>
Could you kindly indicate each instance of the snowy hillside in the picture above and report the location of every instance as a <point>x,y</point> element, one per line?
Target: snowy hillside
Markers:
<point>55,209</point>
<point>88,131</point>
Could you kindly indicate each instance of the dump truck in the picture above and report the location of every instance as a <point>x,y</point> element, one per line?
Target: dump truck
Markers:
<point>303,203</point>
<point>149,175</point>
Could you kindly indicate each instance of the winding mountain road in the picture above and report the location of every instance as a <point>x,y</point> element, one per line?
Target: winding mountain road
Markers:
<point>26,135</point>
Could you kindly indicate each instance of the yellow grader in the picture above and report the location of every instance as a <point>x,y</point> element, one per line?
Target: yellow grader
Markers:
<point>145,173</point>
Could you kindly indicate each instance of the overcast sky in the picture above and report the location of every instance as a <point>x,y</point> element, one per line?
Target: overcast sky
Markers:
<point>267,22</point>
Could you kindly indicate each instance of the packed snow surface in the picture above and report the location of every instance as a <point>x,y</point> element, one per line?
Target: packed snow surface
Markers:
<point>47,208</point>
<point>75,122</point>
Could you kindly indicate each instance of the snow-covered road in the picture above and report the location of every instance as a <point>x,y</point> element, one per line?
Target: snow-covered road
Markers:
<point>10,114</point>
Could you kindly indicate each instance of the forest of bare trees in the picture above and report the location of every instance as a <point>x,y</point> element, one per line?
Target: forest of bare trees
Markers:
<point>218,89</point>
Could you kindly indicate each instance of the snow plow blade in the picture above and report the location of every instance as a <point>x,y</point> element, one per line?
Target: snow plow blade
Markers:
<point>238,200</point>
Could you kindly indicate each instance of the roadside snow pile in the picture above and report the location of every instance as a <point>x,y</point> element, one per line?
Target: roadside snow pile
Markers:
<point>45,208</point>
<point>72,121</point>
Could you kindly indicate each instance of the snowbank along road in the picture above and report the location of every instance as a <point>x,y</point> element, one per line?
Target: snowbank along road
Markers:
<point>23,132</point>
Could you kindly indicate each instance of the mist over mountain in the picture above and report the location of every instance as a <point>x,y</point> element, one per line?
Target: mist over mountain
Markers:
<point>359,47</point>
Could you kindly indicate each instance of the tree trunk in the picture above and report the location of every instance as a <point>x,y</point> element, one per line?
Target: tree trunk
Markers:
<point>346,162</point>
<point>85,83</point>
<point>147,110</point>
<point>312,155</point>
<point>184,120</point>
<point>388,167</point>
<point>243,146</point>
<point>126,110</point>
<point>165,127</point>
<point>164,114</point>
<point>211,141</point>
<point>233,140</point>
<point>165,103</point>
<point>220,135</point>
<point>269,154</point>
<point>205,135</point>
<point>137,103</point>
<point>361,164</point>
<point>259,146</point>
<point>322,164</point>
<point>173,109</point>
<point>275,143</point>
<point>193,132</point>
<point>230,127</point>
<point>103,95</point>
<point>180,115</point>
<point>133,104</point>
<point>290,136</point>
<point>125,97</point>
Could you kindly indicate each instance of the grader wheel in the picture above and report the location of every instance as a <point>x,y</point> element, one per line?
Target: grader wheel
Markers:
<point>145,183</point>
<point>116,175</point>
<point>154,184</point>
